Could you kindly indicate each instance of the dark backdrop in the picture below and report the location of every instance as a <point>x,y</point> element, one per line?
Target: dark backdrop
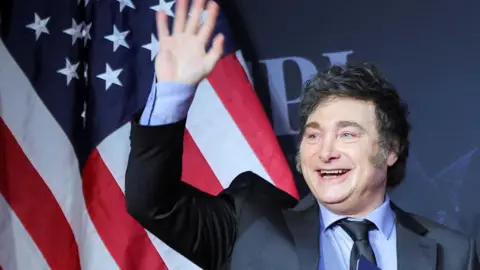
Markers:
<point>428,49</point>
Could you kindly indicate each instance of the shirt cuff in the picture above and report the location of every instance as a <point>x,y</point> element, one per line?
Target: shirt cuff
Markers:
<point>167,103</point>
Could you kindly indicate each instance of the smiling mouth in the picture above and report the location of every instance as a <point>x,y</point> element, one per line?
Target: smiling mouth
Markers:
<point>332,174</point>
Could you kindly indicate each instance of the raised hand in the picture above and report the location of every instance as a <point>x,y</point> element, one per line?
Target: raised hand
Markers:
<point>181,56</point>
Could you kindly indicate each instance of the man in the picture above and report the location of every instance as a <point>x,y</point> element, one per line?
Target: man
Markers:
<point>354,145</point>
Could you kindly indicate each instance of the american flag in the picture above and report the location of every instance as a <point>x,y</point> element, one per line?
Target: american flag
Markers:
<point>72,74</point>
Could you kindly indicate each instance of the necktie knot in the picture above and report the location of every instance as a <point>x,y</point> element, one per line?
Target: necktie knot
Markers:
<point>357,230</point>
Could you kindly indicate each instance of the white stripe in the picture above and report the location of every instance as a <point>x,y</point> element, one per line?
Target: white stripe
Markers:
<point>49,150</point>
<point>172,259</point>
<point>240,58</point>
<point>17,248</point>
<point>219,138</point>
<point>114,151</point>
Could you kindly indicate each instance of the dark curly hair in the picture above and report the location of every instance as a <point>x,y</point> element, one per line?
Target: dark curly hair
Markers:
<point>364,82</point>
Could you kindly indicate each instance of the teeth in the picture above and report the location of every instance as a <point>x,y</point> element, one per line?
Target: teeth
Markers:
<point>333,171</point>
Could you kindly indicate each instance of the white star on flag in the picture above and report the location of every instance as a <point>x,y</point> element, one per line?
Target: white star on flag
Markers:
<point>86,33</point>
<point>127,3</point>
<point>165,7</point>
<point>118,38</point>
<point>110,76</point>
<point>152,46</point>
<point>40,26</point>
<point>70,71</point>
<point>75,31</point>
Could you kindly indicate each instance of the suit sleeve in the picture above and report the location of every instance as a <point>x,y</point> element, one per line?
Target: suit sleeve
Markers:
<point>199,226</point>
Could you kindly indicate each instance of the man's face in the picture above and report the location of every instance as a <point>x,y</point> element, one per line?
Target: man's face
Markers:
<point>341,158</point>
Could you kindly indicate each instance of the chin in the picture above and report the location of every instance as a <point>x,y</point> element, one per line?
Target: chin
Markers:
<point>331,198</point>
<point>332,193</point>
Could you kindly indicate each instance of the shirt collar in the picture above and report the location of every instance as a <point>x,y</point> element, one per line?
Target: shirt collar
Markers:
<point>383,217</point>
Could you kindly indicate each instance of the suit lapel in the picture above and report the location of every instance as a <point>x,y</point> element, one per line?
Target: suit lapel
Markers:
<point>304,225</point>
<point>414,250</point>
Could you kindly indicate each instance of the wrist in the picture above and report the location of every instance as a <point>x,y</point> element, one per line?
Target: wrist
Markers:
<point>186,80</point>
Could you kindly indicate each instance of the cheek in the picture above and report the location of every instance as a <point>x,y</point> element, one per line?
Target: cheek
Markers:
<point>363,159</point>
<point>363,153</point>
<point>373,170</point>
<point>353,152</point>
<point>306,154</point>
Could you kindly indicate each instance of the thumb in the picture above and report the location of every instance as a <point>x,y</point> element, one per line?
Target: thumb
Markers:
<point>215,53</point>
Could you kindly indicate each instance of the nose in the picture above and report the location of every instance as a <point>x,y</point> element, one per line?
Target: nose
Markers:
<point>328,150</point>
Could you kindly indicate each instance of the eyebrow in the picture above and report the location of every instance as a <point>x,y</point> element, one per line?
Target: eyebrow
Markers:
<point>314,125</point>
<point>341,124</point>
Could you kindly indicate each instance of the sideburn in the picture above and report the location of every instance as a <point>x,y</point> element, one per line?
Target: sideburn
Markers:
<point>378,159</point>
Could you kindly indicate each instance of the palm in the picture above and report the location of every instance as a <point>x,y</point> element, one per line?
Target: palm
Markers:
<point>182,56</point>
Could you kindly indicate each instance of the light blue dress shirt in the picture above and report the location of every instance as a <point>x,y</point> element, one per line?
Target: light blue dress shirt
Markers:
<point>169,102</point>
<point>336,244</point>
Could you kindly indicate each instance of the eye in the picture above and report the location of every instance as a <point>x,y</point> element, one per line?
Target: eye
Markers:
<point>348,135</point>
<point>313,136</point>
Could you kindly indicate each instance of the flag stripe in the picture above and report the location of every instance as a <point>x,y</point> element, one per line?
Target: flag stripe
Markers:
<point>245,67</point>
<point>17,248</point>
<point>119,231</point>
<point>114,152</point>
<point>51,153</point>
<point>219,138</point>
<point>24,189</point>
<point>196,170</point>
<point>115,149</point>
<point>173,260</point>
<point>237,94</point>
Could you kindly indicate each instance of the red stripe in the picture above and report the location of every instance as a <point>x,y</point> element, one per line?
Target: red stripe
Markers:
<point>35,205</point>
<point>125,239</point>
<point>196,170</point>
<point>239,98</point>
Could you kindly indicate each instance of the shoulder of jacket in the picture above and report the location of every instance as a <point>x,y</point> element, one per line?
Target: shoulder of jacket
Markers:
<point>441,230</point>
<point>249,186</point>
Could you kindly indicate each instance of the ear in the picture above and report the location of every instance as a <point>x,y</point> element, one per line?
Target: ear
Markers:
<point>392,158</point>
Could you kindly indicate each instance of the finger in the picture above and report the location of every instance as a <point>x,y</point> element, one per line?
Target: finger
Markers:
<point>207,28</point>
<point>195,15</point>
<point>215,53</point>
<point>180,15</point>
<point>162,25</point>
